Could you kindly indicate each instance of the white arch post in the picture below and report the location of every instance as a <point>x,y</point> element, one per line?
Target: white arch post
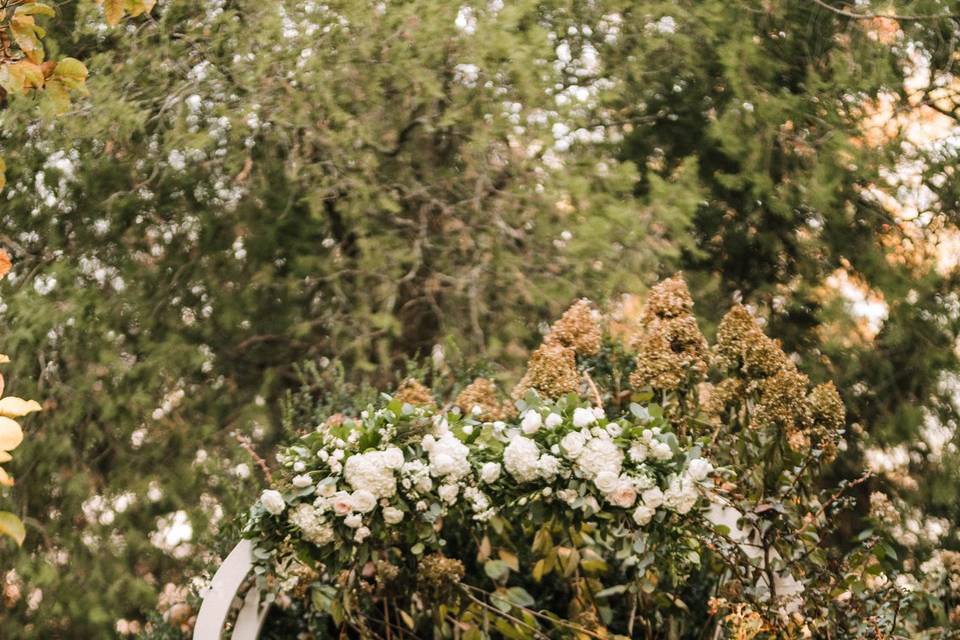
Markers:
<point>219,597</point>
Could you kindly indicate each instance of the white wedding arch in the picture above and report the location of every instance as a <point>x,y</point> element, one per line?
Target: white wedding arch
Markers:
<point>219,598</point>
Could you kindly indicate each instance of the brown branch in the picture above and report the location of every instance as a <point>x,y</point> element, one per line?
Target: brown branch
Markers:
<point>247,446</point>
<point>597,398</point>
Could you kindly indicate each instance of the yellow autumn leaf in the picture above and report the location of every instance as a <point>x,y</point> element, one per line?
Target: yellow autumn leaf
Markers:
<point>21,76</point>
<point>13,407</point>
<point>139,7</point>
<point>4,359</point>
<point>5,457</point>
<point>3,183</point>
<point>27,34</point>
<point>11,435</point>
<point>71,72</point>
<point>5,262</point>
<point>112,11</point>
<point>5,479</point>
<point>11,526</point>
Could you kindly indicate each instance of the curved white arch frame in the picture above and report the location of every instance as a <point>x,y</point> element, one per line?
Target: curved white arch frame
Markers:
<point>219,597</point>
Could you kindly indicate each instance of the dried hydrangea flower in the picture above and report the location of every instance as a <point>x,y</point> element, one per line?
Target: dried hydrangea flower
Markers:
<point>479,399</point>
<point>783,404</point>
<point>438,575</point>
<point>414,392</point>
<point>578,328</point>
<point>551,372</point>
<point>671,350</point>
<point>669,299</point>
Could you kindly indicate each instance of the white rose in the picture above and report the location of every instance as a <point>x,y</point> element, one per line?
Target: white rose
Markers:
<point>652,497</point>
<point>363,501</point>
<point>531,422</point>
<point>606,481</point>
<point>614,429</point>
<point>624,495</point>
<point>583,417</point>
<point>660,450</point>
<point>490,472</point>
<point>698,469</point>
<point>353,520</point>
<point>448,493</point>
<point>424,484</point>
<point>572,444</point>
<point>342,503</point>
<point>302,481</point>
<point>554,420</point>
<point>327,487</point>
<point>568,495</point>
<point>361,534</point>
<point>393,458</point>
<point>598,413</point>
<point>273,502</point>
<point>392,515</point>
<point>643,514</point>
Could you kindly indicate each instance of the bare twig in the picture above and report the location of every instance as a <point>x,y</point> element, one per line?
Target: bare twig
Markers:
<point>247,446</point>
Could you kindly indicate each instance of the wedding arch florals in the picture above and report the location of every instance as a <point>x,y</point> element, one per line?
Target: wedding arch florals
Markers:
<point>640,483</point>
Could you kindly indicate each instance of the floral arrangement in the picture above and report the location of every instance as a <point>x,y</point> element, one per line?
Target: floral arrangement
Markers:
<point>637,483</point>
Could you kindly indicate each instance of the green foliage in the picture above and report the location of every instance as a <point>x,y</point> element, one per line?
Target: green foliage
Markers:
<point>252,185</point>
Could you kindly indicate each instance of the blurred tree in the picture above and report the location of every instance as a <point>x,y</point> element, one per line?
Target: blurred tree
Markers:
<point>250,185</point>
<point>822,185</point>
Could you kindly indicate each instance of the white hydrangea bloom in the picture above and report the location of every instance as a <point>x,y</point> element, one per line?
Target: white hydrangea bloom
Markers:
<point>681,495</point>
<point>369,471</point>
<point>448,457</point>
<point>583,417</point>
<point>549,466</point>
<point>310,522</point>
<point>521,459</point>
<point>599,455</point>
<point>448,492</point>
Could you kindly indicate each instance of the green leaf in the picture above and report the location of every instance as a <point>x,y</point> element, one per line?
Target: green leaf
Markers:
<point>611,591</point>
<point>519,596</point>
<point>496,569</point>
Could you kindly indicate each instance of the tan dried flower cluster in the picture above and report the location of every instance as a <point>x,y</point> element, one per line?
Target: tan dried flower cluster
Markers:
<point>671,350</point>
<point>742,345</point>
<point>437,575</point>
<point>578,328</point>
<point>414,392</point>
<point>757,364</point>
<point>551,372</point>
<point>479,398</point>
